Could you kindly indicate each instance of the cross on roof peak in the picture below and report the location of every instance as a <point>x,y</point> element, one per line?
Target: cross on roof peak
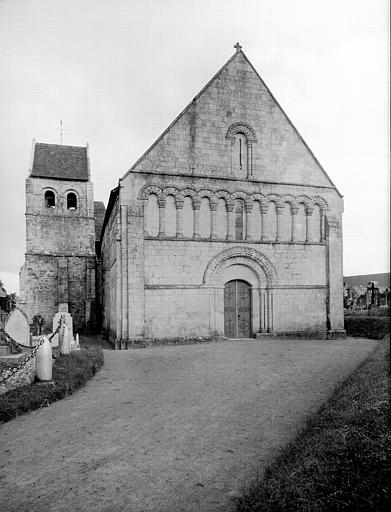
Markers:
<point>238,47</point>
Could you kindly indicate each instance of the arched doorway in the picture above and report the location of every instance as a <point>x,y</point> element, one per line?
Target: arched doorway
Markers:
<point>237,309</point>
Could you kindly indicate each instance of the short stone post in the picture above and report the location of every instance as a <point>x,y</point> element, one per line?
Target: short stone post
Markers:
<point>43,361</point>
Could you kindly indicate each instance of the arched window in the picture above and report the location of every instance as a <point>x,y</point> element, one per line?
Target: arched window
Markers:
<point>71,201</point>
<point>50,199</point>
<point>241,137</point>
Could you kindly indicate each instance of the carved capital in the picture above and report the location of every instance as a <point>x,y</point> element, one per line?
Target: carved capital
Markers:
<point>213,207</point>
<point>161,202</point>
<point>179,203</point>
<point>264,208</point>
<point>196,203</point>
<point>135,211</point>
<point>295,210</point>
<point>230,207</point>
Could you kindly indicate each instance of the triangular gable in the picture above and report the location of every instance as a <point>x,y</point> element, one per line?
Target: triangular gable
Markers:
<point>195,142</point>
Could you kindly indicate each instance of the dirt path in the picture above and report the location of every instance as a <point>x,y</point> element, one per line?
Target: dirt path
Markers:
<point>169,429</point>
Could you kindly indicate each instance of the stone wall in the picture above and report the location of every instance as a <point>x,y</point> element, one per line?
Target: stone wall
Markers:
<point>201,141</point>
<point>59,264</point>
<point>230,191</point>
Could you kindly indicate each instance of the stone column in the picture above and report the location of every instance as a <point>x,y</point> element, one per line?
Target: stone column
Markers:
<point>179,223</point>
<point>135,283</point>
<point>231,221</point>
<point>124,272</point>
<point>249,159</point>
<point>264,233</point>
<point>334,273</point>
<point>308,222</point>
<point>196,208</point>
<point>294,212</point>
<point>249,228</point>
<point>162,216</point>
<point>118,291</point>
<point>213,210</point>
<point>279,212</point>
<point>269,298</point>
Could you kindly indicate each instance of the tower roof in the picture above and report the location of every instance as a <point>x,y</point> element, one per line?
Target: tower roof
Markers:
<point>60,162</point>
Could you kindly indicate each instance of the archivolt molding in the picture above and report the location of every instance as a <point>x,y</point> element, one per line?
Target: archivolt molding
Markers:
<point>239,195</point>
<point>321,203</point>
<point>222,194</point>
<point>148,190</point>
<point>206,193</point>
<point>304,200</point>
<point>275,199</point>
<point>252,258</point>
<point>170,191</point>
<point>241,128</point>
<point>247,197</point>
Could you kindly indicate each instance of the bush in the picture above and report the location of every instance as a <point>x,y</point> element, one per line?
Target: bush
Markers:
<point>69,373</point>
<point>373,327</point>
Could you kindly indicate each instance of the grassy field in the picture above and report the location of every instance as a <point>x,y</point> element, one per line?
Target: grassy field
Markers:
<point>69,373</point>
<point>341,461</point>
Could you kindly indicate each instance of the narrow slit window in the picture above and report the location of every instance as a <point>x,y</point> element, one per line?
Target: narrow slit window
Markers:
<point>71,201</point>
<point>50,199</point>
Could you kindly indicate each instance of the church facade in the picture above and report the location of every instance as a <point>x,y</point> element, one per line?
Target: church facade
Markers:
<point>226,226</point>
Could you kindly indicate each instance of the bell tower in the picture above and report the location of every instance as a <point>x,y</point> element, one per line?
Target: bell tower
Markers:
<point>59,269</point>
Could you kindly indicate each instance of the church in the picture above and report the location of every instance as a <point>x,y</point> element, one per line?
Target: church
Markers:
<point>226,226</point>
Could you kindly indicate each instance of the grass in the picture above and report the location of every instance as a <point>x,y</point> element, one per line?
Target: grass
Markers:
<point>341,460</point>
<point>69,373</point>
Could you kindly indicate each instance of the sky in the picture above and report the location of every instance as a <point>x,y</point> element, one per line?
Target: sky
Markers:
<point>118,72</point>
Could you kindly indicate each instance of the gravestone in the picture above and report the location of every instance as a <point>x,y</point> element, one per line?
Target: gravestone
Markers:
<point>17,326</point>
<point>68,323</point>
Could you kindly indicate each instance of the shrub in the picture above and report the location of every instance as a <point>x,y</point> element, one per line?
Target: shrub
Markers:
<point>373,327</point>
<point>69,373</point>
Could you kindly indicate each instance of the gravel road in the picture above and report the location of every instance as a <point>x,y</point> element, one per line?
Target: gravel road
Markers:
<point>169,429</point>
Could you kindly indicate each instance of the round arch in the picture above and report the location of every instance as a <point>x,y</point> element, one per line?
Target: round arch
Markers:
<point>242,264</point>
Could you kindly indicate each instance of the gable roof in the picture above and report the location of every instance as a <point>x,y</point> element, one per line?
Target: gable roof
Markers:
<point>239,52</point>
<point>60,162</point>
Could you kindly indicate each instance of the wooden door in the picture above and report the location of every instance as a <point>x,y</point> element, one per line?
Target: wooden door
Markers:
<point>237,309</point>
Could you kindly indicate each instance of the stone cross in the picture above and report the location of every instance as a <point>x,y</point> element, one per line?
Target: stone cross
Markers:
<point>238,47</point>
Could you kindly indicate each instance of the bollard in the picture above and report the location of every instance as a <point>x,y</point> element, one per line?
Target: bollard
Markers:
<point>43,361</point>
<point>66,343</point>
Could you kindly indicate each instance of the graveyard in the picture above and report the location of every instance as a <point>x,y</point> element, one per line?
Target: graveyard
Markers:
<point>36,371</point>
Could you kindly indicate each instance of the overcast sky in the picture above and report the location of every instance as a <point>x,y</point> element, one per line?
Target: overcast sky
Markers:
<point>118,72</point>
